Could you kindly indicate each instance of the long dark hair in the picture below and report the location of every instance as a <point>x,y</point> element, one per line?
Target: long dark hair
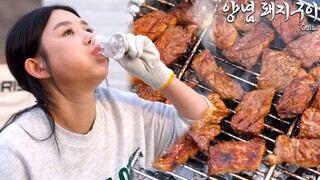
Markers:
<point>23,42</point>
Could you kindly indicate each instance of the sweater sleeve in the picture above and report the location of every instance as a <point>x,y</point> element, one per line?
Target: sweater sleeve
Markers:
<point>11,165</point>
<point>158,124</point>
<point>163,125</point>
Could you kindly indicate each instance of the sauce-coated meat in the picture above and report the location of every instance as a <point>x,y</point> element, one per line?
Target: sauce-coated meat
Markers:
<point>250,112</point>
<point>300,152</point>
<point>236,156</point>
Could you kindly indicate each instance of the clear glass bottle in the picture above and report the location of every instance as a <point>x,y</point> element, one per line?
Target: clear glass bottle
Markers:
<point>112,46</point>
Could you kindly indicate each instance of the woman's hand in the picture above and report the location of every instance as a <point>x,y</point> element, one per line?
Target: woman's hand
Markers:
<point>142,60</point>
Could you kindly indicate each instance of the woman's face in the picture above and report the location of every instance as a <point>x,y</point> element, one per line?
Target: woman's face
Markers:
<point>66,40</point>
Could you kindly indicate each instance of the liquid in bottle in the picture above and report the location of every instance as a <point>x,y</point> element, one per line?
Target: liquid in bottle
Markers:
<point>112,46</point>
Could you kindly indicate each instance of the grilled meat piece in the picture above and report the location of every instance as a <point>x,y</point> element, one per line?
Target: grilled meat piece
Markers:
<point>310,124</point>
<point>247,50</point>
<point>236,156</point>
<point>199,136</point>
<point>146,92</point>
<point>178,153</point>
<point>204,64</point>
<point>297,95</point>
<point>306,48</point>
<point>290,29</point>
<point>250,112</point>
<point>300,152</point>
<point>315,72</point>
<point>216,112</point>
<point>310,119</point>
<point>316,100</point>
<point>240,22</point>
<point>206,128</point>
<point>218,80</point>
<point>203,135</point>
<point>223,34</point>
<point>153,24</point>
<point>174,42</point>
<point>199,13</point>
<point>278,70</point>
<point>222,84</point>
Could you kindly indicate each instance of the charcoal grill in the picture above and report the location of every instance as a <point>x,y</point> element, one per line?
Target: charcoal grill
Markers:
<point>196,168</point>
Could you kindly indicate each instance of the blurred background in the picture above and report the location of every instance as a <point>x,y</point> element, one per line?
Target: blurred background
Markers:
<point>104,16</point>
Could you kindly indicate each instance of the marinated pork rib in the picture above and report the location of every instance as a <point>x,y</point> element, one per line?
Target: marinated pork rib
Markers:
<point>174,42</point>
<point>204,64</point>
<point>199,136</point>
<point>310,119</point>
<point>236,156</point>
<point>202,136</point>
<point>290,29</point>
<point>315,72</point>
<point>300,152</point>
<point>206,128</point>
<point>222,84</point>
<point>216,112</point>
<point>223,33</point>
<point>146,92</point>
<point>178,153</point>
<point>240,22</point>
<point>247,50</point>
<point>316,100</point>
<point>278,70</point>
<point>199,13</point>
<point>310,124</point>
<point>250,112</point>
<point>306,48</point>
<point>153,24</point>
<point>215,77</point>
<point>297,95</point>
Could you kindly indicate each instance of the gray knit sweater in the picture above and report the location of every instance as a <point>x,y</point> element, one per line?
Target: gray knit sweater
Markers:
<point>123,123</point>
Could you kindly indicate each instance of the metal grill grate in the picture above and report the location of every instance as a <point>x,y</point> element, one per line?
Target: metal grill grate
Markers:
<point>274,126</point>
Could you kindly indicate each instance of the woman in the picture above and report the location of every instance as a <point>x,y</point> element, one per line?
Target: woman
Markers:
<point>80,128</point>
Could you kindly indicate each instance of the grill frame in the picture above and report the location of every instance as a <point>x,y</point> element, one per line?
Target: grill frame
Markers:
<point>243,76</point>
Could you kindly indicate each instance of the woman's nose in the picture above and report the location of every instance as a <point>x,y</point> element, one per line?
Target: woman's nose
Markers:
<point>88,37</point>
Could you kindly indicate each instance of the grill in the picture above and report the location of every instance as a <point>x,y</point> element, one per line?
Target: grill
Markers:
<point>196,168</point>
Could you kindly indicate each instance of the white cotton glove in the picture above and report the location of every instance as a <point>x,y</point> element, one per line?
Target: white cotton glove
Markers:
<point>142,60</point>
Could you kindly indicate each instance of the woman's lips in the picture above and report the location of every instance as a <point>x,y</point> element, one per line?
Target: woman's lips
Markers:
<point>96,52</point>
